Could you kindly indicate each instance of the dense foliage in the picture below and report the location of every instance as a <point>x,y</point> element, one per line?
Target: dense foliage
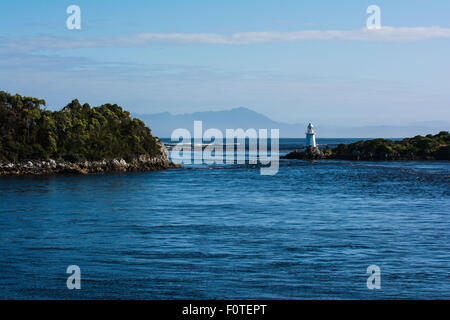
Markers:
<point>76,133</point>
<point>428,147</point>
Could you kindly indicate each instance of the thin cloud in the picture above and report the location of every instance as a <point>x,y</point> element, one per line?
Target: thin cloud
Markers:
<point>240,38</point>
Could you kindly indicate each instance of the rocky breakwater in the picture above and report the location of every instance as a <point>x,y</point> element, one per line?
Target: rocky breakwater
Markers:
<point>50,166</point>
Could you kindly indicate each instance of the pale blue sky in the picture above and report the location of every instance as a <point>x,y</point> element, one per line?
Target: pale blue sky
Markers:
<point>125,53</point>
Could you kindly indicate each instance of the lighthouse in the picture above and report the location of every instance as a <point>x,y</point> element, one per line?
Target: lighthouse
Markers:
<point>310,136</point>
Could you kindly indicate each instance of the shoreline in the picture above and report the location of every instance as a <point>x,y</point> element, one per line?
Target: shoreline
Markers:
<point>49,167</point>
<point>141,163</point>
<point>320,155</point>
<point>428,148</point>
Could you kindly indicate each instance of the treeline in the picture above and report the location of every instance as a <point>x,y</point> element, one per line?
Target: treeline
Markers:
<point>75,133</point>
<point>429,147</point>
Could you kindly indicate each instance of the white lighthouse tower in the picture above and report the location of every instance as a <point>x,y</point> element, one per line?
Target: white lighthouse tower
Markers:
<point>310,136</point>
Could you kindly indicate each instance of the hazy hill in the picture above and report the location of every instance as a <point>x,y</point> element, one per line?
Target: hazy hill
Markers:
<point>163,124</point>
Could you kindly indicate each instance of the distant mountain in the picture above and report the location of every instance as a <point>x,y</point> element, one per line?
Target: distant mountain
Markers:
<point>163,124</point>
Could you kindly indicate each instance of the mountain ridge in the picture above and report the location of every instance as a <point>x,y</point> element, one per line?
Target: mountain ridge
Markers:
<point>163,124</point>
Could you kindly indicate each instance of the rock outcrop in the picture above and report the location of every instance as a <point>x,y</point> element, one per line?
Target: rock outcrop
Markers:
<point>430,147</point>
<point>50,166</point>
<point>309,154</point>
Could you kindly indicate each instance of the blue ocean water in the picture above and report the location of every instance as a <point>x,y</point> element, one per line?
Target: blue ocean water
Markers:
<point>227,232</point>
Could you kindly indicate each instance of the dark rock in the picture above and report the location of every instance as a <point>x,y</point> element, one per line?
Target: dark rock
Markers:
<point>141,163</point>
<point>309,154</point>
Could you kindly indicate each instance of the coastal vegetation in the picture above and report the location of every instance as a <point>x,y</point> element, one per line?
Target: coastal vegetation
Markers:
<point>76,133</point>
<point>429,147</point>
<point>76,139</point>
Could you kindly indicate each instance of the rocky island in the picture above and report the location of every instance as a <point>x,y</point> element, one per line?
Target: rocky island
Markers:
<point>429,147</point>
<point>76,139</point>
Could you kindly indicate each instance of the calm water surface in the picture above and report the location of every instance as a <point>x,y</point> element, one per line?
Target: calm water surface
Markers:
<point>226,232</point>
